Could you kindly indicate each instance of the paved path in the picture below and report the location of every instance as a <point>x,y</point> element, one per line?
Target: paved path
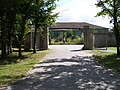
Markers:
<point>68,68</point>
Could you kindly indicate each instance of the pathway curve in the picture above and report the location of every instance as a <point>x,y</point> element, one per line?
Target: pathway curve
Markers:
<point>68,68</point>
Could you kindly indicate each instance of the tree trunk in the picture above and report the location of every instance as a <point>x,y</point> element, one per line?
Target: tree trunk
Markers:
<point>4,51</point>
<point>116,28</point>
<point>34,44</point>
<point>3,39</point>
<point>11,21</point>
<point>10,44</point>
<point>36,27</point>
<point>20,52</point>
<point>9,47</point>
<point>117,38</point>
<point>3,45</point>
<point>22,35</point>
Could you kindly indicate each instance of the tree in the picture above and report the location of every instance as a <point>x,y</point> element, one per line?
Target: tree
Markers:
<point>2,29</point>
<point>44,16</point>
<point>24,12</point>
<point>112,9</point>
<point>47,19</point>
<point>6,24</point>
<point>10,21</point>
<point>13,13</point>
<point>14,17</point>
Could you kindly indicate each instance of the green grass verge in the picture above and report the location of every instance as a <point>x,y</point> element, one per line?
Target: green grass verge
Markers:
<point>16,68</point>
<point>109,60</point>
<point>112,48</point>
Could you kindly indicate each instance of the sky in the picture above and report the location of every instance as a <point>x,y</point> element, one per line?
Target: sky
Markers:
<point>80,11</point>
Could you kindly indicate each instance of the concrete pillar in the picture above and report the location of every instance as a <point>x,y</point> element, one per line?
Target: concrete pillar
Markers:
<point>88,38</point>
<point>43,41</point>
<point>46,39</point>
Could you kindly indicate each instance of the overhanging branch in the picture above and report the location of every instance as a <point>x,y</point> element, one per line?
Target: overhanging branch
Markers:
<point>106,8</point>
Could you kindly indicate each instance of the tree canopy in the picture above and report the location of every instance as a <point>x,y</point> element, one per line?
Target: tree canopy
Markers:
<point>15,18</point>
<point>111,8</point>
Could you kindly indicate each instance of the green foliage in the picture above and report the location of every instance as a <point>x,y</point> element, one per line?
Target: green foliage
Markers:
<point>67,37</point>
<point>77,39</point>
<point>112,9</point>
<point>43,12</point>
<point>70,33</point>
<point>69,40</point>
<point>109,8</point>
<point>15,16</point>
<point>43,16</point>
<point>52,41</point>
<point>60,37</point>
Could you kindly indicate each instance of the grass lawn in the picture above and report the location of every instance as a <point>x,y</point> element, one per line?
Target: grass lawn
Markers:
<point>16,68</point>
<point>109,60</point>
<point>112,48</point>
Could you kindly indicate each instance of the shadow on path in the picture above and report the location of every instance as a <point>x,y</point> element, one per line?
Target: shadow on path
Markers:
<point>77,73</point>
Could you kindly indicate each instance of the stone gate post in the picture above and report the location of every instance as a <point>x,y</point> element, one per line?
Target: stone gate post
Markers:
<point>88,38</point>
<point>43,41</point>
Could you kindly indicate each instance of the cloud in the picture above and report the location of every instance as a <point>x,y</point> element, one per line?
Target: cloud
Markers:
<point>80,11</point>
